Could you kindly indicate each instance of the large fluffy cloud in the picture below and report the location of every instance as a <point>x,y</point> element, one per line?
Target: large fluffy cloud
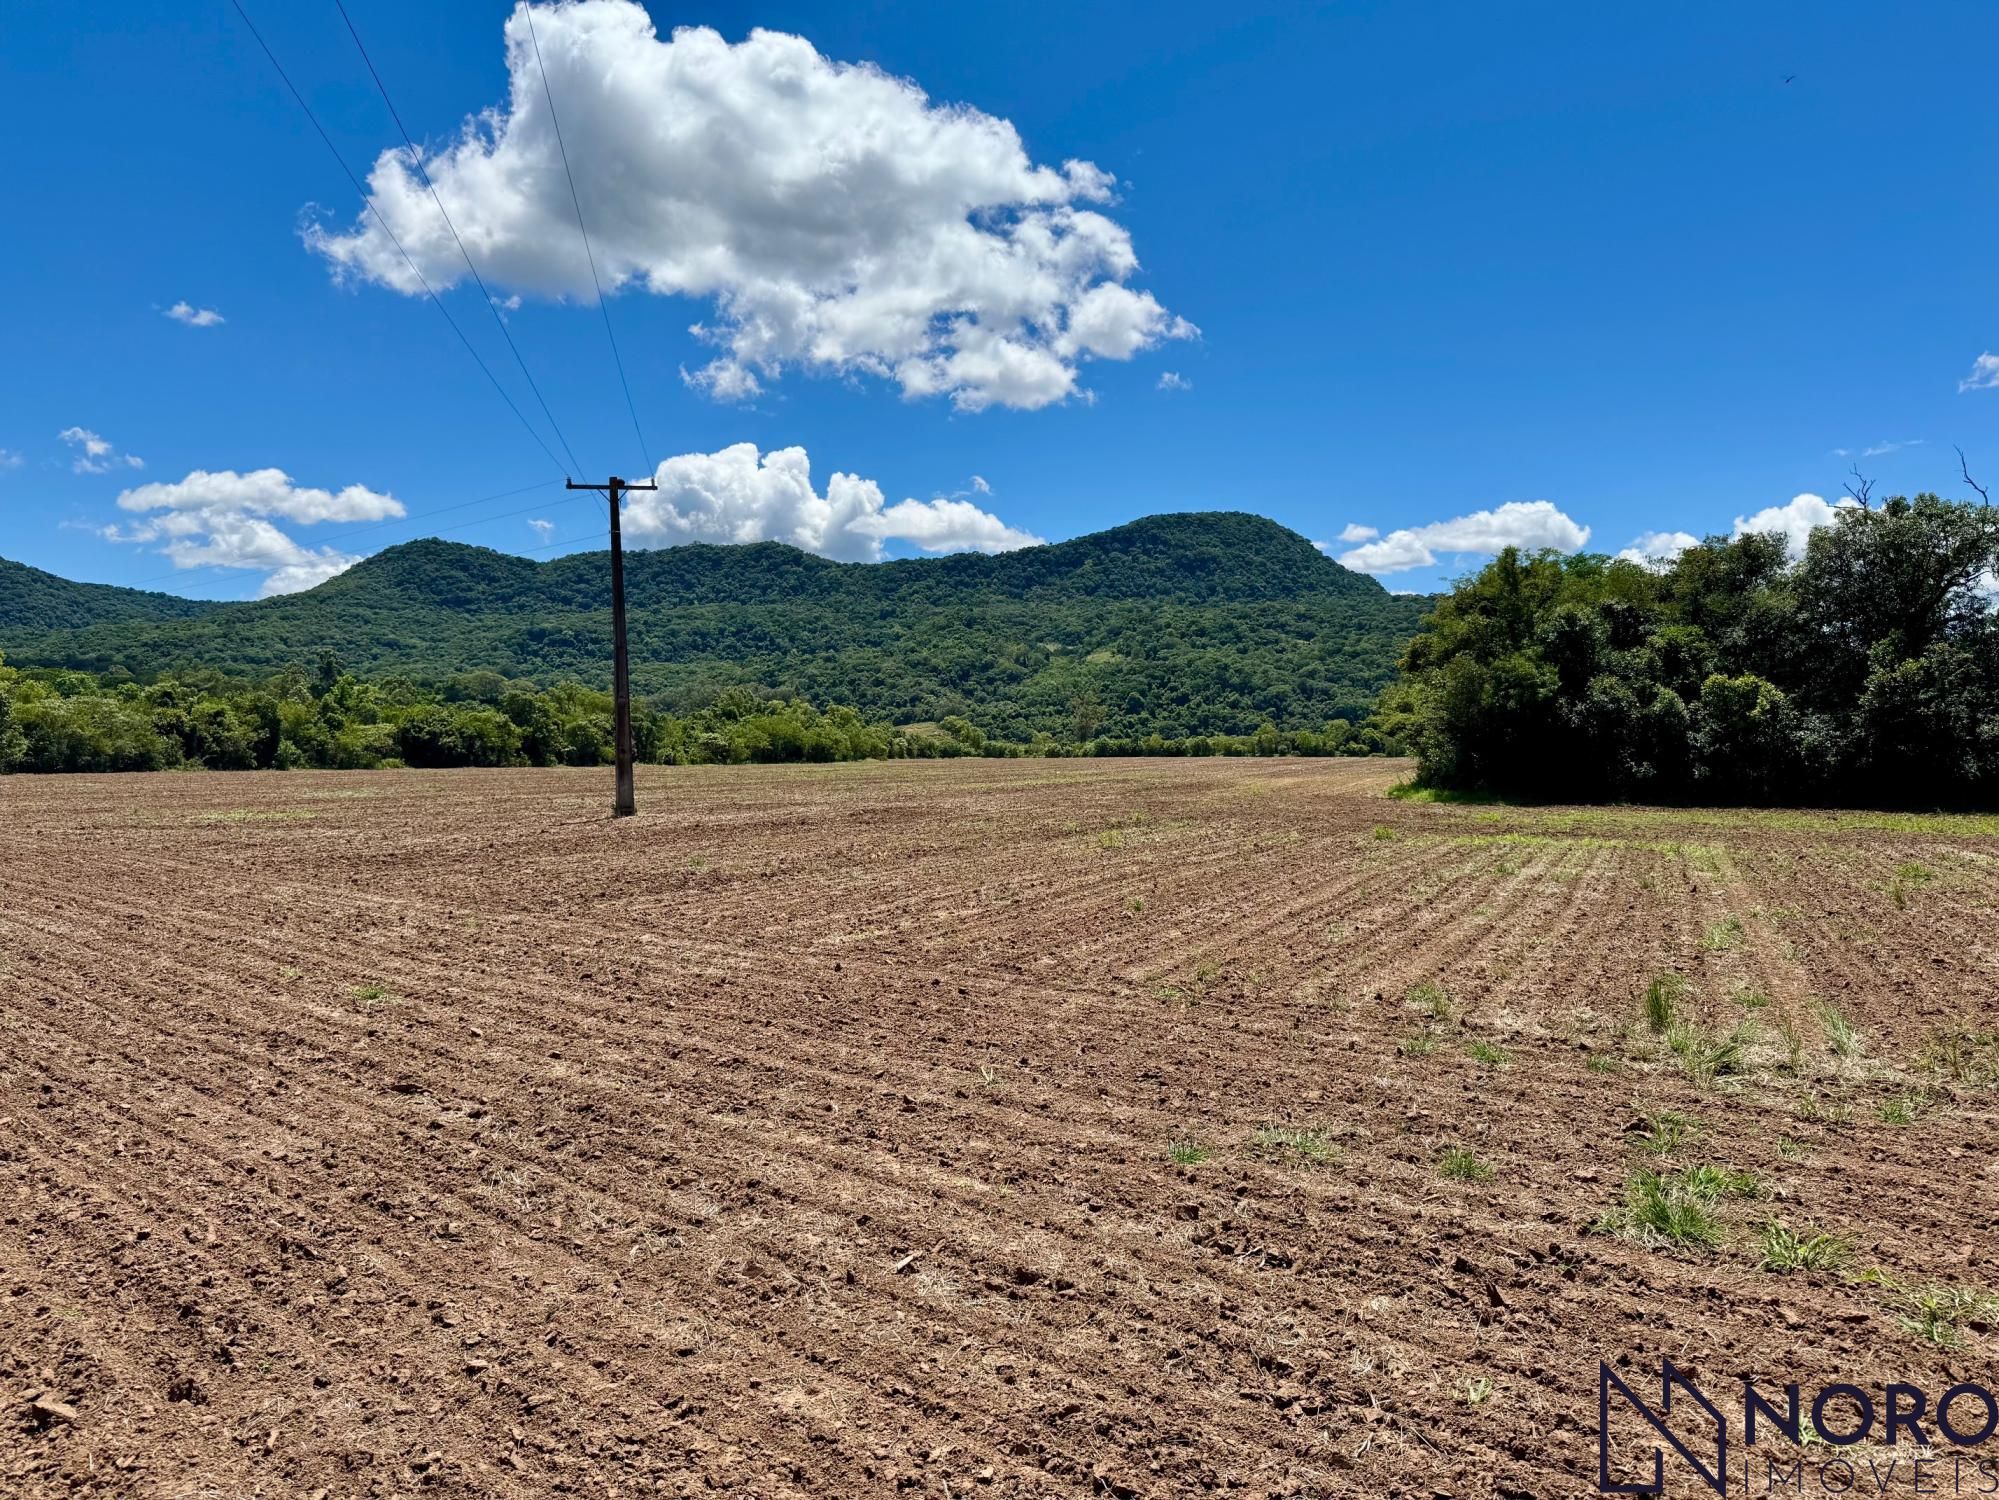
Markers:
<point>834,216</point>
<point>228,520</point>
<point>1794,521</point>
<point>1532,524</point>
<point>739,495</point>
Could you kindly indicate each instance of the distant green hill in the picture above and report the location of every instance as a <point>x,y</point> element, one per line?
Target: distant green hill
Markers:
<point>31,600</point>
<point>1179,624</point>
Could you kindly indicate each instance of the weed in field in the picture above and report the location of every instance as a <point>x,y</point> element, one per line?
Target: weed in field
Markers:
<point>1909,877</point>
<point>1660,1210</point>
<point>1662,999</point>
<point>1419,1044</point>
<point>1383,833</point>
<point>1664,1131</point>
<point>1431,998</point>
<point>1750,999</point>
<point>1969,1057</point>
<point>1187,1153</point>
<point>1840,1033</point>
<point>1134,904</point>
<point>368,993</point>
<point>1482,1051</point>
<point>1604,1062</point>
<point>1461,1165</point>
<point>1934,1313</point>
<point>1111,838</point>
<point>1791,1150</point>
<point>1714,1183</point>
<point>1478,1391</point>
<point>1824,1111</point>
<point>1293,1143</point>
<point>1904,1108</point>
<point>1781,1248</point>
<point>1719,937</point>
<point>1707,1055</point>
<point>989,1076</point>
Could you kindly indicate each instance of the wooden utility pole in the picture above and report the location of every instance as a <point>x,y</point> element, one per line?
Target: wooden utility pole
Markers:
<point>623,805</point>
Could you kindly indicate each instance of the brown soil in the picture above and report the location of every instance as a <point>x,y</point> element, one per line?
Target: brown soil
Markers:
<point>400,1133</point>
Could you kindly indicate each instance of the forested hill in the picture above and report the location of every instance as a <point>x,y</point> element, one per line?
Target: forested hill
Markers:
<point>1180,624</point>
<point>31,600</point>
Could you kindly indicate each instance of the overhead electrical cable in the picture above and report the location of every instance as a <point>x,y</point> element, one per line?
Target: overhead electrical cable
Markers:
<point>436,301</point>
<point>416,158</point>
<point>590,255</point>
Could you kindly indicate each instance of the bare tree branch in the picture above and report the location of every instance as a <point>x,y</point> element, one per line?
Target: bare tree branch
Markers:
<point>1965,469</point>
<point>1866,487</point>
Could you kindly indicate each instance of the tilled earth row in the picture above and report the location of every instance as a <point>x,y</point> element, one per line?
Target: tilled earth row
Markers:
<point>1010,1128</point>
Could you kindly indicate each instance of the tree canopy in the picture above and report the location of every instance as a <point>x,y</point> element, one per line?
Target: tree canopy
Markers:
<point>1864,672</point>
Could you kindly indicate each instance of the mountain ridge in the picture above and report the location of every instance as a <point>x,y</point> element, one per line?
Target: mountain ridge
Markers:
<point>1192,622</point>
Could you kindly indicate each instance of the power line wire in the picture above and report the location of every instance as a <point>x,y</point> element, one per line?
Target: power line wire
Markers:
<point>424,172</point>
<point>384,223</point>
<point>604,307</point>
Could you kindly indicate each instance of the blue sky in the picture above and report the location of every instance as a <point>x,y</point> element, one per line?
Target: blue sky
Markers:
<point>1441,259</point>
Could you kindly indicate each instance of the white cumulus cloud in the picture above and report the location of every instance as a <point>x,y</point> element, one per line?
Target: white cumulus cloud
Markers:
<point>1531,524</point>
<point>1657,548</point>
<point>227,520</point>
<point>1984,374</point>
<point>1173,380</point>
<point>1796,520</point>
<point>96,455</point>
<point>194,317</point>
<point>835,218</point>
<point>543,529</point>
<point>741,495</point>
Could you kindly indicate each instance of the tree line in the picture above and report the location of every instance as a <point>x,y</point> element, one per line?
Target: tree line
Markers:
<point>1864,672</point>
<point>56,720</point>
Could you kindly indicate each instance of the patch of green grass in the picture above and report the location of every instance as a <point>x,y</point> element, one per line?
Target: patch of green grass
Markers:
<point>1111,838</point>
<point>1478,1391</point>
<point>1707,1055</point>
<point>1418,1044</point>
<point>1791,1150</point>
<point>1461,1165</point>
<point>1962,1056</point>
<point>1482,1051</point>
<point>1712,1184</point>
<point>1384,833</point>
<point>1659,1210</point>
<point>1604,1062</point>
<point>1662,1000</point>
<point>1720,936</point>
<point>1666,1130</point>
<point>1781,1248</point>
<point>1840,1033</point>
<point>1904,1108</point>
<point>1187,1153</point>
<point>1750,999</point>
<point>1134,904</point>
<point>1295,1143</point>
<point>1409,791</point>
<point>370,992</point>
<point>1431,998</point>
<point>1932,1312</point>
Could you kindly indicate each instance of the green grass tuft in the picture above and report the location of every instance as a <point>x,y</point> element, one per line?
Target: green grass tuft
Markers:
<point>1461,1165</point>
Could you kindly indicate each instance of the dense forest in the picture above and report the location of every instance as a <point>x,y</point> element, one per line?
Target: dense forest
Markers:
<point>1180,626</point>
<point>1864,673</point>
<point>55,719</point>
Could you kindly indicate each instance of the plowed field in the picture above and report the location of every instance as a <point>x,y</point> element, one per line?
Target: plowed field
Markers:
<point>991,1129</point>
